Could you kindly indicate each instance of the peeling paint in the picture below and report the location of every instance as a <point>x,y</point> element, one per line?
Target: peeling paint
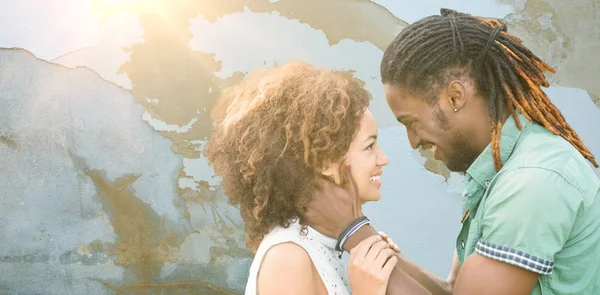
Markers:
<point>549,29</point>
<point>434,165</point>
<point>184,85</point>
<point>182,80</point>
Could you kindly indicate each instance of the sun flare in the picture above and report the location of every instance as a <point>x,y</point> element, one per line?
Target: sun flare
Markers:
<point>107,8</point>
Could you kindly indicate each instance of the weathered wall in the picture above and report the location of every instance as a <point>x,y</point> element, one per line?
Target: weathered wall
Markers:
<point>104,110</point>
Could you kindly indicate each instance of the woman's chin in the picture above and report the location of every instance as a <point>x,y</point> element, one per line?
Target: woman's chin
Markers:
<point>365,200</point>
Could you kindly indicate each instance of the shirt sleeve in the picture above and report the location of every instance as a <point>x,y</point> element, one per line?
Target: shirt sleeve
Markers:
<point>527,218</point>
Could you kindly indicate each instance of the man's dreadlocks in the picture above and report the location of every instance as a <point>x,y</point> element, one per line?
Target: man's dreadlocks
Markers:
<point>504,70</point>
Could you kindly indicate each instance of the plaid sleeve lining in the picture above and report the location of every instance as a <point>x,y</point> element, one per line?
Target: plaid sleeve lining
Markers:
<point>514,257</point>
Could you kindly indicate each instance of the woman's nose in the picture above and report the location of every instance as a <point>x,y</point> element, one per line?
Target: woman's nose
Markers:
<point>382,159</point>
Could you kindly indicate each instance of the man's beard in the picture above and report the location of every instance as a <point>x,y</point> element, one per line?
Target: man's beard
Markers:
<point>462,154</point>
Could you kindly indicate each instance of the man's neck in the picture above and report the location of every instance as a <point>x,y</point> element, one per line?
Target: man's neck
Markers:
<point>483,138</point>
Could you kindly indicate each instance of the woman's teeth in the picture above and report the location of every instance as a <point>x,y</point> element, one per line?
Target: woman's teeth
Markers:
<point>376,178</point>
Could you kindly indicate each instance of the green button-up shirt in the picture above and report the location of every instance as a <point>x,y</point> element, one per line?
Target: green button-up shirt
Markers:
<point>540,212</point>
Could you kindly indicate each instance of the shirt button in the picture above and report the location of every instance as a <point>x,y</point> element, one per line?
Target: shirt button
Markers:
<point>487,184</point>
<point>462,244</point>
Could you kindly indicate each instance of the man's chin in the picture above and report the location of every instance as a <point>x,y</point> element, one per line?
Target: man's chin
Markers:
<point>457,167</point>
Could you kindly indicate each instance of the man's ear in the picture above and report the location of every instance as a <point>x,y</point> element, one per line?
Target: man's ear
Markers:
<point>456,95</point>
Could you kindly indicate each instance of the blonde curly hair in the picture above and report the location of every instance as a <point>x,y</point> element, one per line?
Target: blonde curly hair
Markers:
<point>275,132</point>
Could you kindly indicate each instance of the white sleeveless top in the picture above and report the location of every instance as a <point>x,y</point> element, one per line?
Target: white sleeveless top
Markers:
<point>319,247</point>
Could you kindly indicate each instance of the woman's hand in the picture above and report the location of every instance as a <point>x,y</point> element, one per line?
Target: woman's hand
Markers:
<point>389,241</point>
<point>370,265</point>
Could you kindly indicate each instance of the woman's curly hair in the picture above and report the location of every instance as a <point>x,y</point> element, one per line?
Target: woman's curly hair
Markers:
<point>275,132</point>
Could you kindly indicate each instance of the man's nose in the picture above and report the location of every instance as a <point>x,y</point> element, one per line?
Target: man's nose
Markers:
<point>414,139</point>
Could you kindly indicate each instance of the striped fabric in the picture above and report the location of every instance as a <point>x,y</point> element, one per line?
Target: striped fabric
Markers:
<point>514,257</point>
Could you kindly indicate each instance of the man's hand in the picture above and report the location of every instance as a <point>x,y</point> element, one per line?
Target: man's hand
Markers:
<point>332,206</point>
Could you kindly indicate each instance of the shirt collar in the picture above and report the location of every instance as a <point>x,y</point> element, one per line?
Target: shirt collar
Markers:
<point>482,170</point>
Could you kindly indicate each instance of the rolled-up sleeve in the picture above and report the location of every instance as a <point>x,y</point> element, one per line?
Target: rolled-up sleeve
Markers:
<point>528,217</point>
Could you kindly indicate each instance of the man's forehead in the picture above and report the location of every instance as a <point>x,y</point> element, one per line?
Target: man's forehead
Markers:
<point>400,95</point>
<point>403,103</point>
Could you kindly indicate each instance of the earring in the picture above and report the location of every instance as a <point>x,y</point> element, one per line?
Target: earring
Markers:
<point>455,110</point>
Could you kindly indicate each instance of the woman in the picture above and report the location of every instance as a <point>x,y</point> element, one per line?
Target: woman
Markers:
<point>276,134</point>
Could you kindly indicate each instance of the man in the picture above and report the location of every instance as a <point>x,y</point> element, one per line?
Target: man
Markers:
<point>464,87</point>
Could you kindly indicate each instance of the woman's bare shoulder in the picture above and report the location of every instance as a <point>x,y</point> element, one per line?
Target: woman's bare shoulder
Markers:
<point>286,268</point>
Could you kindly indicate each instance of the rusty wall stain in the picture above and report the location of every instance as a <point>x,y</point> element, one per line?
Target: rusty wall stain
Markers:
<point>145,242</point>
<point>9,142</point>
<point>144,239</point>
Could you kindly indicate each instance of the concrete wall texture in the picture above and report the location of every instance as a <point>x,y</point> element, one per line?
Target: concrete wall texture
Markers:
<point>104,111</point>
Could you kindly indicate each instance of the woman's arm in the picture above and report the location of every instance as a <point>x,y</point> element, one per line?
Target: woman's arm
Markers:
<point>406,274</point>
